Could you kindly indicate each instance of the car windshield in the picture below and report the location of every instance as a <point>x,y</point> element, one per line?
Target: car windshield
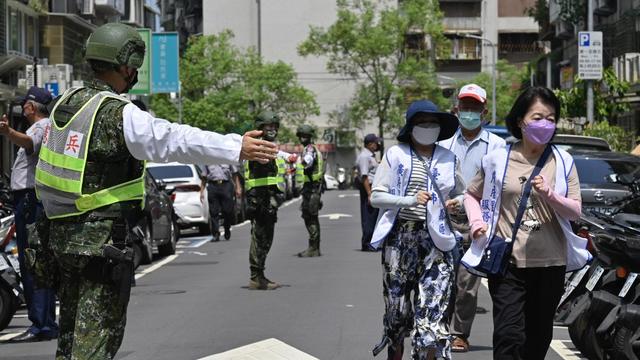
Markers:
<point>597,171</point>
<point>171,172</point>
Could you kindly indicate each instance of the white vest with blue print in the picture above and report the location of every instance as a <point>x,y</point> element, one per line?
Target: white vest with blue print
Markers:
<point>495,141</point>
<point>494,166</point>
<point>443,167</point>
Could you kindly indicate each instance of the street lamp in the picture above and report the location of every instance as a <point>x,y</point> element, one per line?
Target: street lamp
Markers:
<point>493,74</point>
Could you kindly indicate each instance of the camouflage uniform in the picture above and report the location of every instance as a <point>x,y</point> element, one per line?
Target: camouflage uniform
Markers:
<point>262,209</point>
<point>311,204</point>
<point>411,263</point>
<point>92,318</point>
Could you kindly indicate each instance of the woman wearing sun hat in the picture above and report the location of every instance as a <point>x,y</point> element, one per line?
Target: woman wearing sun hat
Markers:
<point>414,230</point>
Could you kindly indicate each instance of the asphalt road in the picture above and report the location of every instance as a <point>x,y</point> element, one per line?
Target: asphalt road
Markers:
<point>196,303</point>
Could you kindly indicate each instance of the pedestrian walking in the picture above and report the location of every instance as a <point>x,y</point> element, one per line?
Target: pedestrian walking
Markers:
<point>222,182</point>
<point>41,300</point>
<point>367,164</point>
<point>527,192</point>
<point>90,180</point>
<point>310,172</point>
<point>265,189</point>
<point>470,143</point>
<point>415,184</point>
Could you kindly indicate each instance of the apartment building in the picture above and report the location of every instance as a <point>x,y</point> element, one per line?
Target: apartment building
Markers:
<point>504,28</point>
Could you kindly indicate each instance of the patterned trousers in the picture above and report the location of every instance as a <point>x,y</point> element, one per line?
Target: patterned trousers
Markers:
<point>417,285</point>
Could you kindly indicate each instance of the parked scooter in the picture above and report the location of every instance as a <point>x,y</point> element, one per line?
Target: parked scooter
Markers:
<point>601,304</point>
<point>341,176</point>
<point>11,292</point>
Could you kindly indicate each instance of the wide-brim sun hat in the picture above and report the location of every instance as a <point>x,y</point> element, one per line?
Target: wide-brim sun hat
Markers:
<point>447,121</point>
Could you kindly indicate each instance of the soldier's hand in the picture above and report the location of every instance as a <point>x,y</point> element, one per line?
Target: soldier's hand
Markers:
<point>4,125</point>
<point>256,149</point>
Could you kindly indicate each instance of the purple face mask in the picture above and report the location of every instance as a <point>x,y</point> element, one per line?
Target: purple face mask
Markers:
<point>540,131</point>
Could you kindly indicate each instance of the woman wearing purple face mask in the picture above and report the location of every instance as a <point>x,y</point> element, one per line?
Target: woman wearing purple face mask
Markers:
<point>544,247</point>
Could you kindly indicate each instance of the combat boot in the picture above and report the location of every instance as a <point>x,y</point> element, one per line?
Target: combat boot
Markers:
<point>310,252</point>
<point>262,283</point>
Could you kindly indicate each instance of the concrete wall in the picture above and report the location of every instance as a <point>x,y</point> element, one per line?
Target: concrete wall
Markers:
<point>284,25</point>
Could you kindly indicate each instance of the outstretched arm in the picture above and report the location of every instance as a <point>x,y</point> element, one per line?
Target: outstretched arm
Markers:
<point>149,138</point>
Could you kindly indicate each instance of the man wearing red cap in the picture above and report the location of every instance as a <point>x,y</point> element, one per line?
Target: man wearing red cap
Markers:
<point>470,143</point>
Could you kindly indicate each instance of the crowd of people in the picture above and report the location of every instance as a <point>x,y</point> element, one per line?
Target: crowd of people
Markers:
<point>434,206</point>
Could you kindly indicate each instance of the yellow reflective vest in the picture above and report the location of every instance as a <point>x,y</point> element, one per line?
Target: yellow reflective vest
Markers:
<point>63,159</point>
<point>276,179</point>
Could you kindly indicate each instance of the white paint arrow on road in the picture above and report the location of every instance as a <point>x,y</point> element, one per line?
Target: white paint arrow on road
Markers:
<point>270,349</point>
<point>348,195</point>
<point>336,216</point>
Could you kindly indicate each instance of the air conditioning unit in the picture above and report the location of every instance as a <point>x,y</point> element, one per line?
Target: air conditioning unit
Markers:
<point>134,13</point>
<point>88,7</point>
<point>604,7</point>
<point>564,30</point>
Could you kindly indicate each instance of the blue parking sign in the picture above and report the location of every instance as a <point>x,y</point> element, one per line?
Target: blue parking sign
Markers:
<point>585,39</point>
<point>52,88</point>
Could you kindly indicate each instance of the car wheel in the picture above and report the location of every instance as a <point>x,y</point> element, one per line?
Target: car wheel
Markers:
<point>146,246</point>
<point>205,229</point>
<point>137,255</point>
<point>170,247</point>
<point>7,307</point>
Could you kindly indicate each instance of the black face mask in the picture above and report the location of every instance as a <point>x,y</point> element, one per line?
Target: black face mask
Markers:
<point>270,135</point>
<point>131,82</point>
<point>305,140</point>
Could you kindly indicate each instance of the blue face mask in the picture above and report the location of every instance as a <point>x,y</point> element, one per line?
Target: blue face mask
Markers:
<point>469,120</point>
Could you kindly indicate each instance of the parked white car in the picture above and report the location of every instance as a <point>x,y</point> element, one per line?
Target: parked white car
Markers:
<point>191,209</point>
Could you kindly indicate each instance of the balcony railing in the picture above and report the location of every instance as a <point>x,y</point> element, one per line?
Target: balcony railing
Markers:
<point>462,53</point>
<point>453,24</point>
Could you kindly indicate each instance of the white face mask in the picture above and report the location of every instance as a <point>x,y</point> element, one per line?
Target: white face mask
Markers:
<point>426,134</point>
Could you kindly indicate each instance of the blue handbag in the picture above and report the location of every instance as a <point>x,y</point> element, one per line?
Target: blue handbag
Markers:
<point>495,258</point>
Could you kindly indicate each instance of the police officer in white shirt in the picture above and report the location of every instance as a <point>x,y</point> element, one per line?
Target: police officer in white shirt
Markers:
<point>41,302</point>
<point>367,165</point>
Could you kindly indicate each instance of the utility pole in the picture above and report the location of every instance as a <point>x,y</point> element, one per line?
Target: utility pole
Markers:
<point>590,82</point>
<point>259,4</point>
<point>493,73</point>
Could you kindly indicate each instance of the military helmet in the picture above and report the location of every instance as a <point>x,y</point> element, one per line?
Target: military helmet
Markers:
<point>115,43</point>
<point>305,130</point>
<point>266,117</point>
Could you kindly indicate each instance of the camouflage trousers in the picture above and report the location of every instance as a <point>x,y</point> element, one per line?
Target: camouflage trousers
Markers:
<point>92,321</point>
<point>261,240</point>
<point>411,263</point>
<point>311,205</point>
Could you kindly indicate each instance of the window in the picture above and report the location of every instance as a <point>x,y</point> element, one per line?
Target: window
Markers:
<point>596,171</point>
<point>171,172</point>
<point>23,32</point>
<point>15,30</point>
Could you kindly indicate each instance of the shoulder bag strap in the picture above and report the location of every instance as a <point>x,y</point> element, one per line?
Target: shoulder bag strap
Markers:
<point>527,190</point>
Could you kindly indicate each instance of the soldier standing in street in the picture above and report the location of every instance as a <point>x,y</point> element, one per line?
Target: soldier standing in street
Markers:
<point>90,181</point>
<point>265,189</point>
<point>310,172</point>
<point>41,301</point>
<point>222,181</point>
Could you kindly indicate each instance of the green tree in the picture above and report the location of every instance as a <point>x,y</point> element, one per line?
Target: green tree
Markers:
<point>617,137</point>
<point>605,92</point>
<point>509,81</point>
<point>368,42</point>
<point>224,88</point>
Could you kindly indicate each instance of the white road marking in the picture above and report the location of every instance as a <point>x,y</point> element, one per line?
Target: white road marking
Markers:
<point>341,196</point>
<point>270,349</point>
<point>335,216</point>
<point>241,224</point>
<point>291,202</point>
<point>155,267</point>
<point>566,353</point>
<point>197,253</point>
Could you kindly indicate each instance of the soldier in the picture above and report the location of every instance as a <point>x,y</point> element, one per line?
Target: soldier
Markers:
<point>310,172</point>
<point>265,190</point>
<point>90,181</point>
